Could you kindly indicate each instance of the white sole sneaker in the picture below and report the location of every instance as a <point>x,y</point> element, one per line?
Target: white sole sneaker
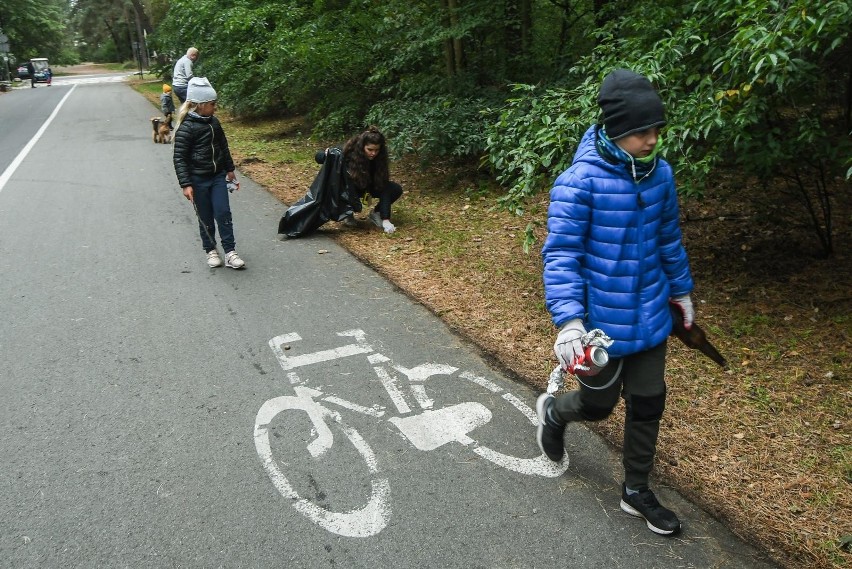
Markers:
<point>233,261</point>
<point>213,259</point>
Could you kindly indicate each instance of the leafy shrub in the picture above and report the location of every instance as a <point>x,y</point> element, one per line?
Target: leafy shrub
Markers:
<point>433,126</point>
<point>534,136</point>
<point>768,95</point>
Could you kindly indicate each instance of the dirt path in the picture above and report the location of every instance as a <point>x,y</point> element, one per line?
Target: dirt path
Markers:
<point>88,68</point>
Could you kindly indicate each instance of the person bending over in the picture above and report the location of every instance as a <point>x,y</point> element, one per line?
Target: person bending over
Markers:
<point>365,167</point>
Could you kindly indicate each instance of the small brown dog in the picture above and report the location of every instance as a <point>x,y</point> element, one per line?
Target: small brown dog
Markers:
<point>162,133</point>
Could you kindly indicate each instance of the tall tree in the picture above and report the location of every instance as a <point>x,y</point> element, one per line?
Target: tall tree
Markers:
<point>36,28</point>
<point>112,29</point>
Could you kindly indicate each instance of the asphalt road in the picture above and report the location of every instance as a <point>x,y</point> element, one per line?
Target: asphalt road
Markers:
<point>300,413</point>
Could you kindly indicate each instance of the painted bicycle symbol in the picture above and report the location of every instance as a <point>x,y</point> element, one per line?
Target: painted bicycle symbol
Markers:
<point>425,427</point>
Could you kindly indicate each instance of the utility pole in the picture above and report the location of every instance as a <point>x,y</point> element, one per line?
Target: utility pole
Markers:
<point>140,35</point>
<point>5,72</point>
<point>135,46</point>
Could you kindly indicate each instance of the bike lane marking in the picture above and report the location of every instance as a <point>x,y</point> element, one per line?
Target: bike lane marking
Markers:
<point>359,522</point>
<point>426,431</point>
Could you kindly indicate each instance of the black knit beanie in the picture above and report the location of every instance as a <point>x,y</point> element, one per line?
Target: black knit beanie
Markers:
<point>629,103</point>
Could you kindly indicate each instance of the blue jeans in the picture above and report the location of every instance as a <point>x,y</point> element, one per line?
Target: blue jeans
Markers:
<point>211,199</point>
<point>180,92</point>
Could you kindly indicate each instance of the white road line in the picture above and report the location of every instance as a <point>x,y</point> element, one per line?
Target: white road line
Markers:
<point>389,383</point>
<point>290,362</point>
<point>374,411</point>
<point>26,150</point>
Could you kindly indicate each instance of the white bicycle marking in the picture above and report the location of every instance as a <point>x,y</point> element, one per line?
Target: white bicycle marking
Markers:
<point>288,363</point>
<point>426,430</point>
<point>374,411</point>
<point>389,383</point>
<point>432,429</point>
<point>363,522</point>
<point>489,385</point>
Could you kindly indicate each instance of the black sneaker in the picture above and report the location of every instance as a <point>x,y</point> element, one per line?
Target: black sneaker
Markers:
<point>660,520</point>
<point>550,436</point>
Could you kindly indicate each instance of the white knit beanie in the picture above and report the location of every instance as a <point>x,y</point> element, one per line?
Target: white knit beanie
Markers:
<point>200,90</point>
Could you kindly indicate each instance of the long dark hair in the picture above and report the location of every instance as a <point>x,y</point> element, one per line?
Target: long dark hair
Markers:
<point>359,165</point>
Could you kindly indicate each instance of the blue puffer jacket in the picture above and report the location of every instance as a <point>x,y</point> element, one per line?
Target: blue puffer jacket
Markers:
<point>613,254</point>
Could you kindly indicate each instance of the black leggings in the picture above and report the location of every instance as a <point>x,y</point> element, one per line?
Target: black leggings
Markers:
<point>392,193</point>
<point>640,380</point>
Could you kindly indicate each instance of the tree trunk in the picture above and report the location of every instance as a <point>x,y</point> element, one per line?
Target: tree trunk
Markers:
<point>525,13</point>
<point>458,55</point>
<point>140,38</point>
<point>142,18</point>
<point>120,44</point>
<point>448,45</point>
<point>849,101</point>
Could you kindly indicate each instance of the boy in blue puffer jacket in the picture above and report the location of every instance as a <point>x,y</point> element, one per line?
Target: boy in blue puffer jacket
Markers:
<point>613,260</point>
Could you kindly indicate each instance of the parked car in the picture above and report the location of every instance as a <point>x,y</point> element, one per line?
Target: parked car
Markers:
<point>23,72</point>
<point>42,70</point>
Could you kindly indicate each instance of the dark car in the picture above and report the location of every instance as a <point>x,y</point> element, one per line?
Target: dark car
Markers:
<point>23,72</point>
<point>42,73</point>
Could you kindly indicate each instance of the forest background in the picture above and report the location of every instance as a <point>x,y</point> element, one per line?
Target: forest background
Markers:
<point>484,102</point>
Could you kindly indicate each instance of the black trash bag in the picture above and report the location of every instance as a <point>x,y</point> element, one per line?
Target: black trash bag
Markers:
<point>328,199</point>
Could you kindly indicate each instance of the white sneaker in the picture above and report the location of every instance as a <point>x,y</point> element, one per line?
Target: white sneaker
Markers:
<point>213,259</point>
<point>388,226</point>
<point>233,260</point>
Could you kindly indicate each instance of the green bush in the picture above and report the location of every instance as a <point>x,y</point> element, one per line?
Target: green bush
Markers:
<point>433,126</point>
<point>769,96</point>
<point>534,136</point>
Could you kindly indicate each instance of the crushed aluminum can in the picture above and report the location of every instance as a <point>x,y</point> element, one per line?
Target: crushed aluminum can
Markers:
<point>596,342</point>
<point>593,361</point>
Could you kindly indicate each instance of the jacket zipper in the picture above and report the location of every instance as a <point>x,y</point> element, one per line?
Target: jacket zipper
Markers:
<point>213,146</point>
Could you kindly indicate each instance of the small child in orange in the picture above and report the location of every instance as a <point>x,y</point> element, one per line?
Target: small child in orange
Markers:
<point>167,104</point>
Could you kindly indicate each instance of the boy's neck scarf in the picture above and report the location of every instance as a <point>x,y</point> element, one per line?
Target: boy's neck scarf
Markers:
<point>640,168</point>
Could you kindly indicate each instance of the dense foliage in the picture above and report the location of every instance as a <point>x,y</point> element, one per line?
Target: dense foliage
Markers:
<point>762,86</point>
<point>36,28</point>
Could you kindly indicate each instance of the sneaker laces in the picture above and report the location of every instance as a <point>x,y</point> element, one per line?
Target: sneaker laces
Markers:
<point>647,499</point>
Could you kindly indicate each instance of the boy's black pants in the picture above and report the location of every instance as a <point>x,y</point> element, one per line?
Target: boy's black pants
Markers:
<point>640,380</point>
